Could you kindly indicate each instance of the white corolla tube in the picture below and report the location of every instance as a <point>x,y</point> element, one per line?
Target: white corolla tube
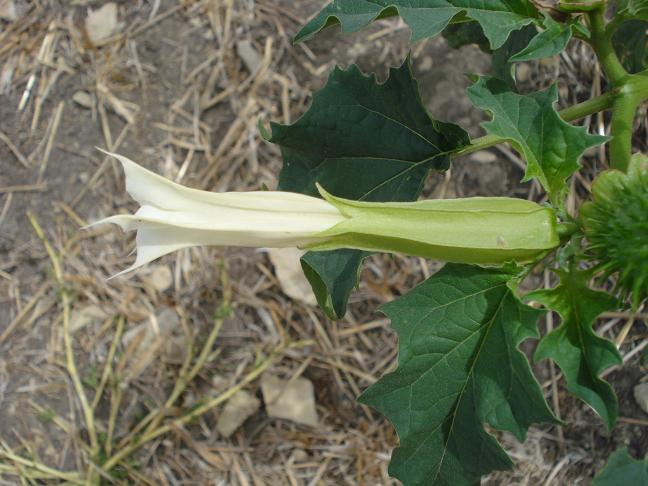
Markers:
<point>172,216</point>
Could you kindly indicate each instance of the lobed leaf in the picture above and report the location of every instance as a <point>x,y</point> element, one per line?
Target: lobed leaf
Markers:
<point>366,141</point>
<point>426,18</point>
<point>550,145</point>
<point>631,45</point>
<point>632,9</point>
<point>458,35</point>
<point>459,366</point>
<point>579,352</point>
<point>547,43</point>
<point>622,468</point>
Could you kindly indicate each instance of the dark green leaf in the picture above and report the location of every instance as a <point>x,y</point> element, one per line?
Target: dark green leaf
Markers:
<point>361,140</point>
<point>580,353</point>
<point>333,275</point>
<point>550,145</point>
<point>631,45</point>
<point>426,18</point>
<point>458,367</point>
<point>547,43</point>
<point>632,9</point>
<point>501,64</point>
<point>622,469</point>
<point>464,33</point>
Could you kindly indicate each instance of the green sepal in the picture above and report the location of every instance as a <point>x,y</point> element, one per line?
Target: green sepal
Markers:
<point>483,230</point>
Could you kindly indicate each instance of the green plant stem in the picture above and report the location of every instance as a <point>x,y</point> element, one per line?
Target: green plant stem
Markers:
<point>601,42</point>
<point>580,110</point>
<point>589,107</point>
<point>634,91</point>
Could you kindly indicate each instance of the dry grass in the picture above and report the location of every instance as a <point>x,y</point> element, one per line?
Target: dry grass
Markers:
<point>125,378</point>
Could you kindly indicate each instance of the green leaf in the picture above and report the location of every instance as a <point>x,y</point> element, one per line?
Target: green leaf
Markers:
<point>459,367</point>
<point>632,9</point>
<point>550,145</point>
<point>631,44</point>
<point>579,352</point>
<point>366,141</point>
<point>333,275</point>
<point>622,469</point>
<point>426,18</point>
<point>547,43</point>
<point>464,33</point>
<point>501,64</point>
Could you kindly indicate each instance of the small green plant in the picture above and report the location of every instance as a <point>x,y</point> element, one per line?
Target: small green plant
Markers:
<point>366,149</point>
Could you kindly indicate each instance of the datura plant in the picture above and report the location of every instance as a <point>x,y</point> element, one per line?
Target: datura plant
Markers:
<point>354,167</point>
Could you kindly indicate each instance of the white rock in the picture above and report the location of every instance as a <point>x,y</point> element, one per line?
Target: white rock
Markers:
<point>484,157</point>
<point>101,23</point>
<point>83,99</point>
<point>248,55</point>
<point>290,275</point>
<point>164,323</point>
<point>161,278</point>
<point>155,338</point>
<point>523,72</point>
<point>90,314</point>
<point>8,10</point>
<point>641,396</point>
<point>292,400</point>
<point>237,410</point>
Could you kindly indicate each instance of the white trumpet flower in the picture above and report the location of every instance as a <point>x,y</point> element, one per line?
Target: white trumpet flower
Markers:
<point>172,216</point>
<point>481,230</point>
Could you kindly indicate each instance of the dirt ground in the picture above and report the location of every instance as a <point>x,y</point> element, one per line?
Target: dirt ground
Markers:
<point>138,369</point>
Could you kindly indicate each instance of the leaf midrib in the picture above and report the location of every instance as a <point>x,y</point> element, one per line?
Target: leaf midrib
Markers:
<point>468,379</point>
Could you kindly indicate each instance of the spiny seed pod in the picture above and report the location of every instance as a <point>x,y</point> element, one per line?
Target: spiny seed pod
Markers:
<point>616,226</point>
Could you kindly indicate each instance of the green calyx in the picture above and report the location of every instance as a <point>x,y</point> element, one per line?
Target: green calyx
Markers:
<point>616,226</point>
<point>481,230</point>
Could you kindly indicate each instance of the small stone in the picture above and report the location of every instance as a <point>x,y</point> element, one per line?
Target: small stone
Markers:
<point>8,10</point>
<point>641,396</point>
<point>161,278</point>
<point>484,157</point>
<point>91,314</point>
<point>523,72</point>
<point>290,274</point>
<point>175,350</point>
<point>237,410</point>
<point>101,23</point>
<point>157,338</point>
<point>248,55</point>
<point>289,399</point>
<point>83,99</point>
<point>426,64</point>
<point>299,455</point>
<point>165,322</point>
